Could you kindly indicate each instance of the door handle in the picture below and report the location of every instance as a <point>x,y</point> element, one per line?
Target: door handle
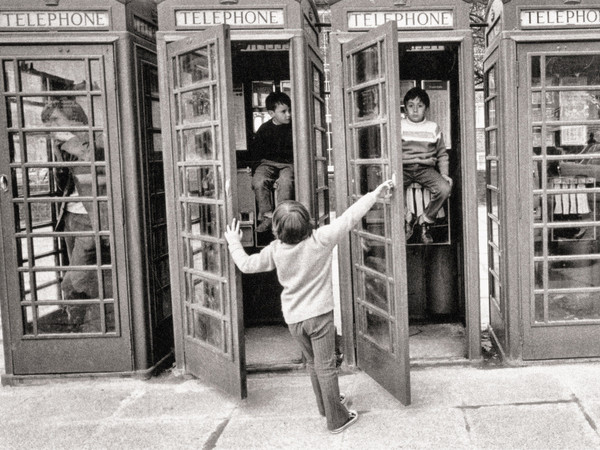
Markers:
<point>3,183</point>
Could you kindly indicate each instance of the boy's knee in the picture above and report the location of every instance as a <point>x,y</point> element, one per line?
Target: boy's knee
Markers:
<point>445,189</point>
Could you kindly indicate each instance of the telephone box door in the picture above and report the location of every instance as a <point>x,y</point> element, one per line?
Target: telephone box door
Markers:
<point>201,200</point>
<point>372,98</point>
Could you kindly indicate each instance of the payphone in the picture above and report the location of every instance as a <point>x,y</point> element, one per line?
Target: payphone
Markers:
<point>85,284</point>
<point>419,302</point>
<point>541,74</point>
<point>219,62</point>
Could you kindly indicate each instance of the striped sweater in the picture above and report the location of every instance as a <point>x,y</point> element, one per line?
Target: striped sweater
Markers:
<point>423,143</point>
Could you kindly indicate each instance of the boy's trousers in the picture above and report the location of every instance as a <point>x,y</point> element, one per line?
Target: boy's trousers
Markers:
<point>316,337</point>
<point>429,177</point>
<point>267,173</point>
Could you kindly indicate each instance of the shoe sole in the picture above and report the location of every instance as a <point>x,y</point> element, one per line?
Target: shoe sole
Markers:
<point>353,418</point>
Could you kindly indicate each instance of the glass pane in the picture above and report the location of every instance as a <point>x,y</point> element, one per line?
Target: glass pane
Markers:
<point>14,148</point>
<point>536,71</point>
<point>109,319</point>
<point>205,328</point>
<point>374,221</point>
<point>53,75</point>
<point>574,306</point>
<point>370,176</point>
<point>98,111</point>
<point>200,182</point>
<point>378,329</point>
<point>491,81</point>
<point>367,103</point>
<point>369,142</point>
<point>205,256</point>
<point>492,149</point>
<point>69,113</point>
<point>202,219</point>
<point>491,111</point>
<point>12,116</point>
<point>374,256</point>
<point>194,67</point>
<point>583,273</point>
<point>572,70</point>
<point>375,291</point>
<point>155,113</point>
<point>318,113</point>
<point>198,144</point>
<point>97,76</point>
<point>578,105</point>
<point>9,76</point>
<point>366,65</point>
<point>196,106</point>
<point>573,240</point>
<point>205,293</point>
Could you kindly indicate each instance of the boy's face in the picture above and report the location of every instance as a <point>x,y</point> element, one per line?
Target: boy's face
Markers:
<point>58,119</point>
<point>281,115</point>
<point>415,110</point>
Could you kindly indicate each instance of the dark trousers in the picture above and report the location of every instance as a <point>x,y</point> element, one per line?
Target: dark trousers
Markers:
<point>430,178</point>
<point>316,337</point>
<point>265,175</point>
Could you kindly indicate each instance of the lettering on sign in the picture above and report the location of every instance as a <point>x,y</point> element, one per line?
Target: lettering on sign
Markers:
<point>54,19</point>
<point>233,17</point>
<point>560,17</point>
<point>405,19</point>
<point>144,28</point>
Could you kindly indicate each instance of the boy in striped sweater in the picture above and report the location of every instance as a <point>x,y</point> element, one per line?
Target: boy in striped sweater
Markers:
<point>423,150</point>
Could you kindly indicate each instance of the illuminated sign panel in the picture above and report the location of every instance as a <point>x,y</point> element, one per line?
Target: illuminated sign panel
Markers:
<point>234,17</point>
<point>406,20</point>
<point>557,18</point>
<point>14,20</point>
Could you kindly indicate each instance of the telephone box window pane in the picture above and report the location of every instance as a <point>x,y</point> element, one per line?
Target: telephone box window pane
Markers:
<point>492,148</point>
<point>39,181</point>
<point>155,113</point>
<point>98,109</point>
<point>47,286</point>
<point>198,144</point>
<point>492,171</point>
<point>194,67</point>
<point>367,103</point>
<point>378,329</point>
<point>576,106</point>
<point>9,76</point>
<point>369,142</point>
<point>76,106</point>
<point>107,284</point>
<point>14,148</point>
<point>45,251</point>
<point>493,206</point>
<point>583,273</point>
<point>38,147</point>
<point>370,176</point>
<point>317,112</point>
<point>206,256</point>
<point>41,214</point>
<point>12,116</point>
<point>373,222</point>
<point>157,142</point>
<point>200,182</point>
<point>205,328</point>
<point>205,294</point>
<point>196,106</point>
<point>203,219</point>
<point>574,306</point>
<point>109,317</point>
<point>375,291</point>
<point>374,255</point>
<point>539,308</point>
<point>366,65</point>
<point>53,75</point>
<point>536,69</point>
<point>573,240</point>
<point>572,70</point>
<point>491,110</point>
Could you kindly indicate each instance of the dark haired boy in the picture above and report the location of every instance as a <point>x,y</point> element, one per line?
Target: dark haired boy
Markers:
<point>423,150</point>
<point>272,148</point>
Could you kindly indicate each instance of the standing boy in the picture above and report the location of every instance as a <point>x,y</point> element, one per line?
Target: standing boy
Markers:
<point>273,149</point>
<point>423,149</point>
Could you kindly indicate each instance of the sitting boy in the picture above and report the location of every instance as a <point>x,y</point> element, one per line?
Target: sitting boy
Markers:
<point>423,149</point>
<point>272,148</point>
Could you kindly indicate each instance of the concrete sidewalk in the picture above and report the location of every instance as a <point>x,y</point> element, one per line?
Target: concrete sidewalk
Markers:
<point>541,407</point>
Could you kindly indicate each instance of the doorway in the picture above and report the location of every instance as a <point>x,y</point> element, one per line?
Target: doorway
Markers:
<point>436,302</point>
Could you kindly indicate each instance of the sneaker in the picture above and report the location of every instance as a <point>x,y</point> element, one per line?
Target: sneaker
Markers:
<point>343,399</point>
<point>425,233</point>
<point>265,225</point>
<point>409,226</point>
<point>351,420</point>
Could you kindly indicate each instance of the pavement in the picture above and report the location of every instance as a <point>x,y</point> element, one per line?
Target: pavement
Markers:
<point>551,406</point>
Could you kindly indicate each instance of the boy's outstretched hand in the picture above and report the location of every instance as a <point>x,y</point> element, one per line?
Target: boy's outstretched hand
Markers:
<point>233,232</point>
<point>384,188</point>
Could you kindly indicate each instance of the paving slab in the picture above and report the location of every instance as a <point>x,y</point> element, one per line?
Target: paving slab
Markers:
<point>535,426</point>
<point>40,436</point>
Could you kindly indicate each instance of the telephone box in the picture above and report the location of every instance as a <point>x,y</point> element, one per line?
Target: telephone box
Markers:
<point>404,302</point>
<point>218,62</point>
<point>84,285</point>
<point>542,92</point>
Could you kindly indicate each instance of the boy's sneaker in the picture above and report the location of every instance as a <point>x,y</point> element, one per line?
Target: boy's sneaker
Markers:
<point>351,420</point>
<point>409,226</point>
<point>265,225</point>
<point>425,233</point>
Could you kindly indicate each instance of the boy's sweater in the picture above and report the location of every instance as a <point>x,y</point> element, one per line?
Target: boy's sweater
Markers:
<point>423,143</point>
<point>304,269</point>
<point>274,143</point>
